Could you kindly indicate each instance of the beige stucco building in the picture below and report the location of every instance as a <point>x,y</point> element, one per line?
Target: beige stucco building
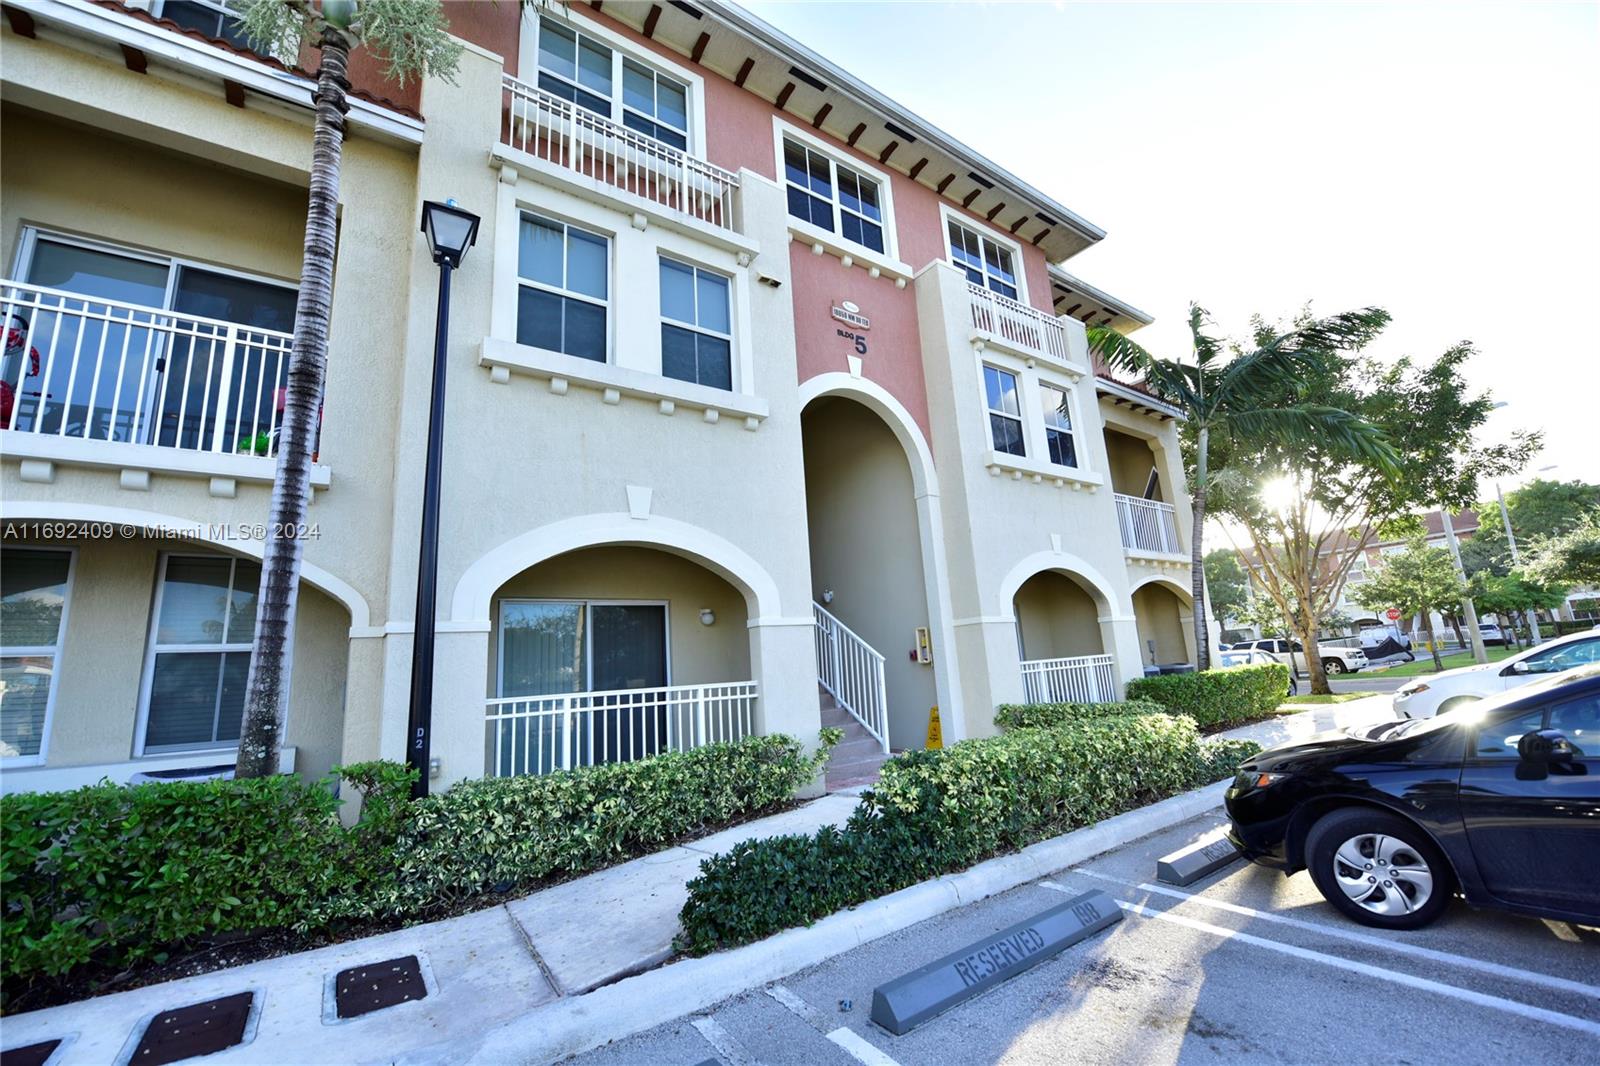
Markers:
<point>756,383</point>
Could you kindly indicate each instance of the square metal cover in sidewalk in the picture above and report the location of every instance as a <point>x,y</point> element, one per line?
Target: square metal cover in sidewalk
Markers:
<point>201,1029</point>
<point>364,989</point>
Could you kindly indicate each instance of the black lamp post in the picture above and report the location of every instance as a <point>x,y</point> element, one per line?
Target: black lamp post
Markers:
<point>450,232</point>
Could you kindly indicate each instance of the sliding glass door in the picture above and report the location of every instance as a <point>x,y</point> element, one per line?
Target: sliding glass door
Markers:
<point>554,648</point>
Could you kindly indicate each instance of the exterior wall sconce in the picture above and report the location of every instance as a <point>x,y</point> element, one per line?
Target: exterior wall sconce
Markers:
<point>827,595</point>
<point>707,616</point>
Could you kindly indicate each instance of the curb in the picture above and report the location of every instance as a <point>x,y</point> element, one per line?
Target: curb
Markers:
<point>569,1026</point>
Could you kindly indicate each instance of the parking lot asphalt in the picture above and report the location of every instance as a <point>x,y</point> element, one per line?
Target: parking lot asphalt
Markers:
<point>1244,966</point>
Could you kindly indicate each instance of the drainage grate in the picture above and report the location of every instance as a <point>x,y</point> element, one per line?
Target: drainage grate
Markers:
<point>32,1055</point>
<point>201,1029</point>
<point>364,989</point>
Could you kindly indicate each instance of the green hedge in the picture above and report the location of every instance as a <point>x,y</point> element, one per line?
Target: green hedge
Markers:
<point>112,875</point>
<point>937,811</point>
<point>1217,697</point>
<point>1044,715</point>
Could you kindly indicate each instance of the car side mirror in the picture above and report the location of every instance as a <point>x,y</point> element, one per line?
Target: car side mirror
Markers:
<point>1546,747</point>
<point>1519,667</point>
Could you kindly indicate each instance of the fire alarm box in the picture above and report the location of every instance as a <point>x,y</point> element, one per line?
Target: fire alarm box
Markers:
<point>924,645</point>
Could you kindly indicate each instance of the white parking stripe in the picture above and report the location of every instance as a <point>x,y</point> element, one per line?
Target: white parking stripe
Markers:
<point>1560,984</point>
<point>818,1020</point>
<point>1467,995</point>
<point>719,1038</point>
<point>857,1048</point>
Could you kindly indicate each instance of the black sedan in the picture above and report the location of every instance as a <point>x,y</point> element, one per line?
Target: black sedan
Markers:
<point>1498,802</point>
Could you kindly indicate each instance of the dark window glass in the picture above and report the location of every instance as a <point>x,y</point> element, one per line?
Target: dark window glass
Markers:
<point>1497,739</point>
<point>697,357</point>
<point>1007,434</point>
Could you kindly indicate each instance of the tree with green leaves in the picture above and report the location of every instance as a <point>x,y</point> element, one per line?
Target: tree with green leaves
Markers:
<point>1417,580</point>
<point>1513,594</point>
<point>1571,558</point>
<point>412,36</point>
<point>1224,390</point>
<point>1538,510</point>
<point>1307,511</point>
<point>1230,597</point>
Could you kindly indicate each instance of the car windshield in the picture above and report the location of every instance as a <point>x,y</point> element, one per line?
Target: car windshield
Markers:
<point>1474,712</point>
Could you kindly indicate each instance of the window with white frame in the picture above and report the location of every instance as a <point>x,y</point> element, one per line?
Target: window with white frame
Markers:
<point>833,196</point>
<point>549,647</point>
<point>696,327</point>
<point>1057,426</point>
<point>562,288</point>
<point>33,607</point>
<point>581,68</point>
<point>205,620</point>
<point>985,261</point>
<point>1005,410</point>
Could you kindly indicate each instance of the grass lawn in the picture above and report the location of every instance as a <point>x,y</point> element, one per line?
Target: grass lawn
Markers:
<point>1332,697</point>
<point>1424,663</point>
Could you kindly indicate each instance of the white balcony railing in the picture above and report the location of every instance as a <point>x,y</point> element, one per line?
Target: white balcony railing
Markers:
<point>539,734</point>
<point>852,672</point>
<point>91,369</point>
<point>1080,679</point>
<point>1022,327</point>
<point>1148,525</point>
<point>576,139</point>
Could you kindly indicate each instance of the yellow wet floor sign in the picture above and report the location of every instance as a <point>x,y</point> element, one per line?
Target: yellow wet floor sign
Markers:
<point>935,734</point>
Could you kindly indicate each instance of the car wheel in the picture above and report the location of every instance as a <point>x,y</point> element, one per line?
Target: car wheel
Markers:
<point>1333,666</point>
<point>1378,869</point>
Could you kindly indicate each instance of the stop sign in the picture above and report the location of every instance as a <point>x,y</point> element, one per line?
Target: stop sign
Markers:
<point>1393,614</point>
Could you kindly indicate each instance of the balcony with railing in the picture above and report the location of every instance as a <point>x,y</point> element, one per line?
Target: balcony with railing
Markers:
<point>97,378</point>
<point>579,143</point>
<point>1077,679</point>
<point>564,731</point>
<point>1015,325</point>
<point>1148,526</point>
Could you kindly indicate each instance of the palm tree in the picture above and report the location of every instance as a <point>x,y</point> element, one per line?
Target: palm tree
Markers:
<point>1223,389</point>
<point>412,36</point>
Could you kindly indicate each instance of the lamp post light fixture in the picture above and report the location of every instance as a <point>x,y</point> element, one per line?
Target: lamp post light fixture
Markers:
<point>450,232</point>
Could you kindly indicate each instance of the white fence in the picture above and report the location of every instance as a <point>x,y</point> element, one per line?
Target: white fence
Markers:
<point>1081,679</point>
<point>1148,525</point>
<point>852,672</point>
<point>93,369</point>
<point>561,132</point>
<point>539,734</point>
<point>1017,324</point>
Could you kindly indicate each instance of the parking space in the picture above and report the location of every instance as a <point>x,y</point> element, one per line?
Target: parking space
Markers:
<point>1245,965</point>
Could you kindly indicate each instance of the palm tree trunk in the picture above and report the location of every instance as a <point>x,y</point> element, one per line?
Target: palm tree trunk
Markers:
<point>1197,572</point>
<point>266,694</point>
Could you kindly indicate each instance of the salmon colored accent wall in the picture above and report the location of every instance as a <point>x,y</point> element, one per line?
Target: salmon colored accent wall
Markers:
<point>894,347</point>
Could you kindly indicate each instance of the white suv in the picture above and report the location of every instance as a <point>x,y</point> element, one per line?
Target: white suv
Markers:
<point>1431,694</point>
<point>1335,659</point>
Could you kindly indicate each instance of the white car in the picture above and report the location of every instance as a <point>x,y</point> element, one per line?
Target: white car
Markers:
<point>1431,694</point>
<point>1249,657</point>
<point>1335,659</point>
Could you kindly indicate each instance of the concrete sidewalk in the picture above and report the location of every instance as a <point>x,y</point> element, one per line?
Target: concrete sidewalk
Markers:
<point>1321,719</point>
<point>481,970</point>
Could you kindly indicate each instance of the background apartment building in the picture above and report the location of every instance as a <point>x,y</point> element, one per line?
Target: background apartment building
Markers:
<point>756,381</point>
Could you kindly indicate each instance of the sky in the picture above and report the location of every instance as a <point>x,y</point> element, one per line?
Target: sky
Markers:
<point>1441,161</point>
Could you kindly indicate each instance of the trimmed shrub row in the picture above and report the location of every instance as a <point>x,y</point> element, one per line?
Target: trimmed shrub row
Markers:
<point>110,876</point>
<point>933,812</point>
<point>1045,715</point>
<point>1217,697</point>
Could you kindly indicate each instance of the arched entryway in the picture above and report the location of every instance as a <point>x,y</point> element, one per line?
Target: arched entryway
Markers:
<point>867,561</point>
<point>1165,619</point>
<point>614,653</point>
<point>1061,640</point>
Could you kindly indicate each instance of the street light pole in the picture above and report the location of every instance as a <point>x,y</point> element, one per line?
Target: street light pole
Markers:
<point>1516,561</point>
<point>1468,608</point>
<point>450,232</point>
